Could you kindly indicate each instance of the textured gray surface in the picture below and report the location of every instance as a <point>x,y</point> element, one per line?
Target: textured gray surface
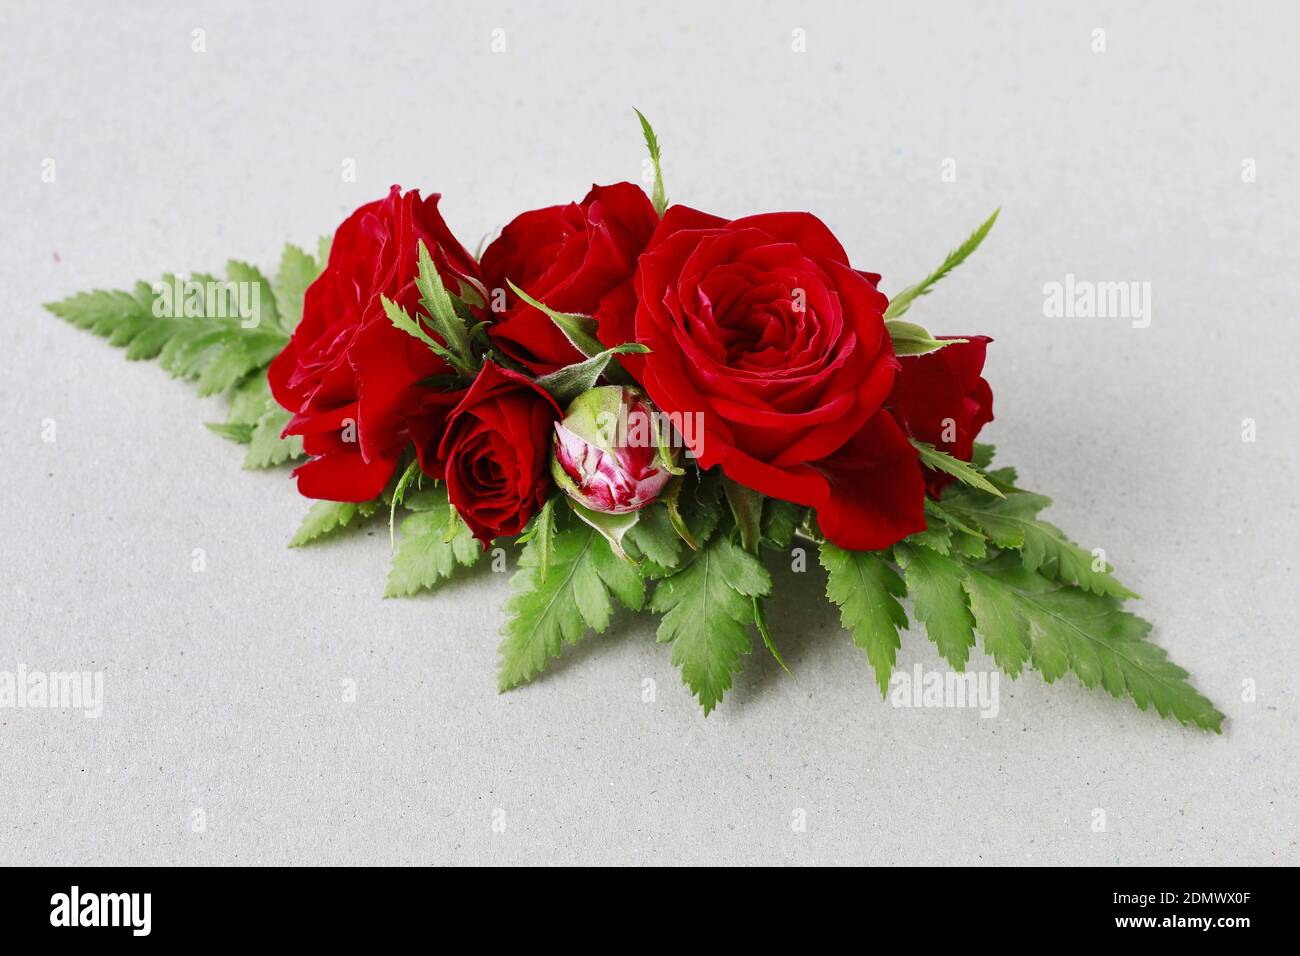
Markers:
<point>223,688</point>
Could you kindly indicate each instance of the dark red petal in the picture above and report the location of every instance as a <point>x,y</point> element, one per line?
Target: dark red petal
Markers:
<point>875,494</point>
<point>344,476</point>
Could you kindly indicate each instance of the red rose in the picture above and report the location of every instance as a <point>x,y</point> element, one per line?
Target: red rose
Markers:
<point>940,398</point>
<point>761,326</point>
<point>568,257</point>
<point>347,372</point>
<point>495,452</point>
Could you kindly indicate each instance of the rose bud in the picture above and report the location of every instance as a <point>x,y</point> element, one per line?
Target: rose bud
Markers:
<point>610,456</point>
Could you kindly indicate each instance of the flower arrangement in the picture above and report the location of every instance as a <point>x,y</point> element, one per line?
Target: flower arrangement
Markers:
<point>645,398</point>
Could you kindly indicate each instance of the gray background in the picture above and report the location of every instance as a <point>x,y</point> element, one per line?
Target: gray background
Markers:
<point>224,688</point>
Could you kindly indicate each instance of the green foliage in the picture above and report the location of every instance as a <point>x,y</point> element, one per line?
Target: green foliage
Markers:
<point>1011,522</point>
<point>411,475</point>
<point>432,545</point>
<point>780,521</point>
<point>414,327</point>
<point>612,527</point>
<point>298,270</point>
<point>963,471</point>
<point>257,420</point>
<point>566,384</point>
<point>1021,605</point>
<point>444,316</point>
<point>265,446</point>
<point>655,538</point>
<point>681,523</point>
<point>934,582</point>
<point>747,511</point>
<point>326,518</point>
<point>657,196</point>
<point>903,301</point>
<point>542,529</point>
<point>269,312</point>
<point>579,329</point>
<point>936,537</point>
<point>706,606</point>
<point>210,347</point>
<point>1024,616</point>
<point>866,589</point>
<point>547,612</point>
<point>196,331</point>
<point>912,339</point>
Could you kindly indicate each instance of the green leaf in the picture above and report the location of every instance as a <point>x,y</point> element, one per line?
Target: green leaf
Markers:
<point>937,537</point>
<point>255,419</point>
<point>968,545</point>
<point>685,516</point>
<point>298,270</point>
<point>232,430</point>
<point>445,318</point>
<point>433,293</point>
<point>209,347</point>
<point>760,622</point>
<point>867,589</point>
<point>903,301</point>
<point>780,519</point>
<point>268,312</point>
<point>983,456</point>
<point>542,528</point>
<point>694,508</point>
<point>250,400</point>
<point>655,538</point>
<point>566,384</point>
<point>747,508</point>
<point>399,494</point>
<point>1011,522</point>
<point>706,607</point>
<point>935,511</point>
<point>611,526</point>
<point>1065,629</point>
<point>403,320</point>
<point>911,339</point>
<point>999,622</point>
<point>963,471</point>
<point>954,536</point>
<point>935,583</point>
<point>425,556</point>
<point>266,448</point>
<point>325,518</point>
<point>657,197</point>
<point>545,614</point>
<point>579,329</point>
<point>1047,549</point>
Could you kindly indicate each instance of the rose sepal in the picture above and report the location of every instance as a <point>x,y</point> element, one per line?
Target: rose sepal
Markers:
<point>612,528</point>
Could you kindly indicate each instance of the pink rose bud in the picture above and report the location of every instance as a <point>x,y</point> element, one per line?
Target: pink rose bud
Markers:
<point>609,452</point>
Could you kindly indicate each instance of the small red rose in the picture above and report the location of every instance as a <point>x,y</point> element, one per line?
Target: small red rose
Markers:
<point>761,327</point>
<point>568,257</point>
<point>941,398</point>
<point>495,452</point>
<point>347,372</point>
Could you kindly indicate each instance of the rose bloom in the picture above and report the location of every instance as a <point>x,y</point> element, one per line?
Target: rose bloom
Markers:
<point>762,327</point>
<point>941,398</point>
<point>495,452</point>
<point>568,257</point>
<point>607,451</point>
<point>347,372</point>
